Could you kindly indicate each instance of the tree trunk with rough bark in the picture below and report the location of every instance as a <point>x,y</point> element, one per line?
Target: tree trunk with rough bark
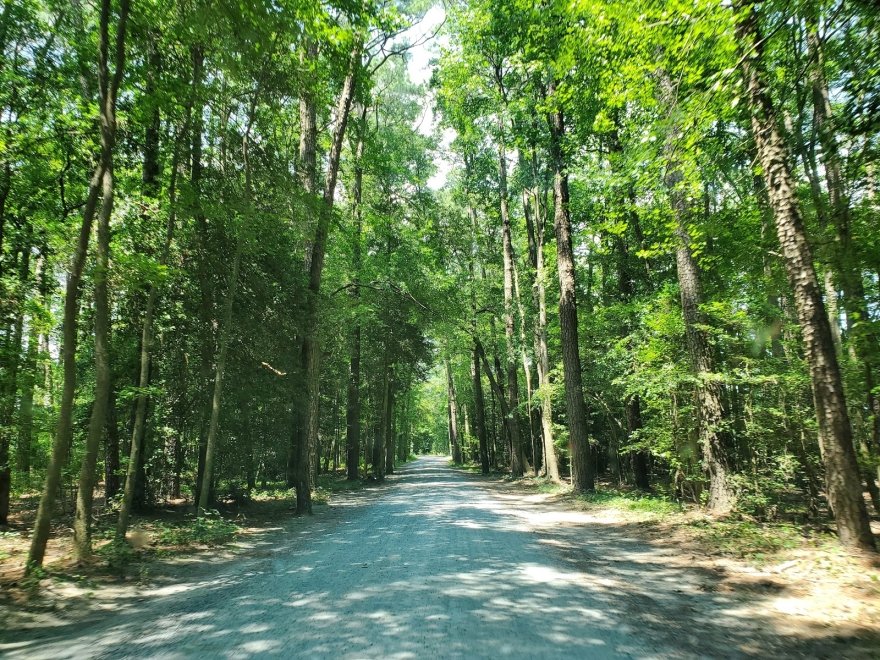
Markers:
<point>203,267</point>
<point>517,461</point>
<point>82,522</point>
<point>862,332</point>
<point>711,415</point>
<point>835,431</point>
<point>213,426</point>
<point>583,468</point>
<point>480,412</point>
<point>226,328</point>
<point>389,424</point>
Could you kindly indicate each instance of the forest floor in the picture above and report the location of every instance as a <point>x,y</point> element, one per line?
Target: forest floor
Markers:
<point>169,531</point>
<point>439,562</point>
<point>811,586</point>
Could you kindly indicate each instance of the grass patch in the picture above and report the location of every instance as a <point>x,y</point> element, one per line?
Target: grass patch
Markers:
<point>634,501</point>
<point>328,484</point>
<point>467,467</point>
<point>547,487</point>
<point>747,539</point>
<point>211,529</point>
<point>271,492</point>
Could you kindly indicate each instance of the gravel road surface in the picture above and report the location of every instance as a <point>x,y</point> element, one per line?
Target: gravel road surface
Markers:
<point>435,563</point>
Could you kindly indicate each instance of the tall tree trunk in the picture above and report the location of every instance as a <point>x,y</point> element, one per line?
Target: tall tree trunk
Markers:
<point>138,435</point>
<point>535,225</point>
<point>712,418</point>
<point>353,406</point>
<point>476,375</point>
<point>10,387</point>
<point>226,329</point>
<point>308,177</point>
<point>583,468</point>
<point>835,431</point>
<point>527,371</point>
<point>389,425</point>
<point>82,522</point>
<point>311,353</point>
<point>452,408</point>
<point>479,411</point>
<point>214,424</point>
<point>517,459</point>
<point>497,392</point>
<point>711,415</point>
<point>203,266</point>
<point>64,431</point>
<point>863,333</point>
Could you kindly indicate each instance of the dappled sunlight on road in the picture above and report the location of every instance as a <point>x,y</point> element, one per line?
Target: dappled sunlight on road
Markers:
<point>437,563</point>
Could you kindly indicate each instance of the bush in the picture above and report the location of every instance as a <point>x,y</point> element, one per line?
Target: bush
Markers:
<point>632,501</point>
<point>210,529</point>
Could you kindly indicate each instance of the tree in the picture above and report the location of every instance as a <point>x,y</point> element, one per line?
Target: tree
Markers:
<point>102,180</point>
<point>835,430</point>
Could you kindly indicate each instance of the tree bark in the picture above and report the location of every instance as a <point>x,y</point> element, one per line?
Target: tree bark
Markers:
<point>311,353</point>
<point>10,387</point>
<point>389,424</point>
<point>64,430</point>
<point>835,431</point>
<point>203,266</point>
<point>135,459</point>
<point>862,332</point>
<point>142,400</point>
<point>353,406</point>
<point>712,418</point>
<point>211,445</point>
<point>517,461</point>
<point>82,522</point>
<point>454,441</point>
<point>535,225</point>
<point>480,412</point>
<point>226,329</point>
<point>711,415</point>
<point>583,468</point>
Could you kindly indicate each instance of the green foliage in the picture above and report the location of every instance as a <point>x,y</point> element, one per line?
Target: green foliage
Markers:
<point>117,555</point>
<point>654,505</point>
<point>207,158</point>
<point>209,529</point>
<point>328,484</point>
<point>747,539</point>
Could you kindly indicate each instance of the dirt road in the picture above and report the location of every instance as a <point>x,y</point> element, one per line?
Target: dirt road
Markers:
<point>436,563</point>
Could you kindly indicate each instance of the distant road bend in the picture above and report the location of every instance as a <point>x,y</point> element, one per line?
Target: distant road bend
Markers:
<point>437,563</point>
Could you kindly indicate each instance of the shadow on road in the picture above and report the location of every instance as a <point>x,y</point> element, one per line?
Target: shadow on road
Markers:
<point>435,564</point>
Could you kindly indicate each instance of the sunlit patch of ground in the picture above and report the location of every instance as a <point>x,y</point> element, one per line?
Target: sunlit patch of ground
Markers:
<point>811,586</point>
